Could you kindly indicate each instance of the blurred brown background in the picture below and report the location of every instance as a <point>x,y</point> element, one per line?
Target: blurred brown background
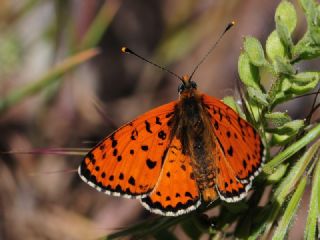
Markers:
<point>36,202</point>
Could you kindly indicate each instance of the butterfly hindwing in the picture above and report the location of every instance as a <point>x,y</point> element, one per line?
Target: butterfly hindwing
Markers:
<point>240,143</point>
<point>229,187</point>
<point>128,162</point>
<point>176,192</point>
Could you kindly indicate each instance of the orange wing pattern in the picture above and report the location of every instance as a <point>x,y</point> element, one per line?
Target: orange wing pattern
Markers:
<point>128,162</point>
<point>176,192</point>
<point>229,187</point>
<point>241,149</point>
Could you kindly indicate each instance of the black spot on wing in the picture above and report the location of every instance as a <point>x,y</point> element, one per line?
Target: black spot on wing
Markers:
<point>188,194</point>
<point>148,126</point>
<point>158,121</point>
<point>144,147</point>
<point>244,164</point>
<point>114,143</point>
<point>91,157</point>
<point>228,134</point>
<point>132,181</point>
<point>216,125</point>
<point>134,134</point>
<point>151,164</point>
<point>162,135</point>
<point>115,152</point>
<point>230,151</point>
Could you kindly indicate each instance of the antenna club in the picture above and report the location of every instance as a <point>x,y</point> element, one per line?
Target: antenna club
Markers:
<point>230,25</point>
<point>125,50</point>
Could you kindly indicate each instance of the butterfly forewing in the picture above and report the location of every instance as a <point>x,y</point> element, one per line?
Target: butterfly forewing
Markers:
<point>176,192</point>
<point>240,143</point>
<point>128,162</point>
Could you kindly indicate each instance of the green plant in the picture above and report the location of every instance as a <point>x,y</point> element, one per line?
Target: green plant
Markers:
<point>295,166</point>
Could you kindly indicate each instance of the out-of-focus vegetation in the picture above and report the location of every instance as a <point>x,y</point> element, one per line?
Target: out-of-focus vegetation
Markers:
<point>64,85</point>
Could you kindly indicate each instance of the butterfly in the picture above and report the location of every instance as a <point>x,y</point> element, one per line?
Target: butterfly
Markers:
<point>176,156</point>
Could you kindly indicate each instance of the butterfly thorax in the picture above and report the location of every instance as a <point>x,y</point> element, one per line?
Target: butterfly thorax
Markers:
<point>192,130</point>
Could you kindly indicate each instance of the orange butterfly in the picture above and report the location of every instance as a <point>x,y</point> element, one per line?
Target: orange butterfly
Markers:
<point>177,154</point>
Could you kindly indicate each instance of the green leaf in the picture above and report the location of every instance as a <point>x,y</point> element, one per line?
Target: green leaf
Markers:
<point>254,111</point>
<point>285,84</point>
<point>286,21</point>
<point>254,51</point>
<point>281,139</point>
<point>315,34</point>
<point>311,10</point>
<point>286,13</point>
<point>278,173</point>
<point>286,186</point>
<point>314,207</point>
<point>288,128</point>
<point>274,47</point>
<point>290,211</point>
<point>304,49</point>
<point>229,100</point>
<point>302,89</point>
<point>309,46</point>
<point>285,37</point>
<point>305,77</point>
<point>313,134</point>
<point>277,119</point>
<point>279,93</point>
<point>258,96</point>
<point>249,74</point>
<point>282,66</point>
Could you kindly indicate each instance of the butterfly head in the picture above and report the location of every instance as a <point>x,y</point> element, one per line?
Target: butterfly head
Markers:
<point>187,85</point>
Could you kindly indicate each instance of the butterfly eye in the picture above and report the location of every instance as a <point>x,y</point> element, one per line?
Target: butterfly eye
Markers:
<point>181,88</point>
<point>193,85</point>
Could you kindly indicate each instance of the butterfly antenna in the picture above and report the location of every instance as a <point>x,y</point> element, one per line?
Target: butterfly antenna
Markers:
<point>213,47</point>
<point>128,50</point>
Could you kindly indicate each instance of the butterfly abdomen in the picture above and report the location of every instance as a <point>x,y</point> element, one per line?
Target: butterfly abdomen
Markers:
<point>197,142</point>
